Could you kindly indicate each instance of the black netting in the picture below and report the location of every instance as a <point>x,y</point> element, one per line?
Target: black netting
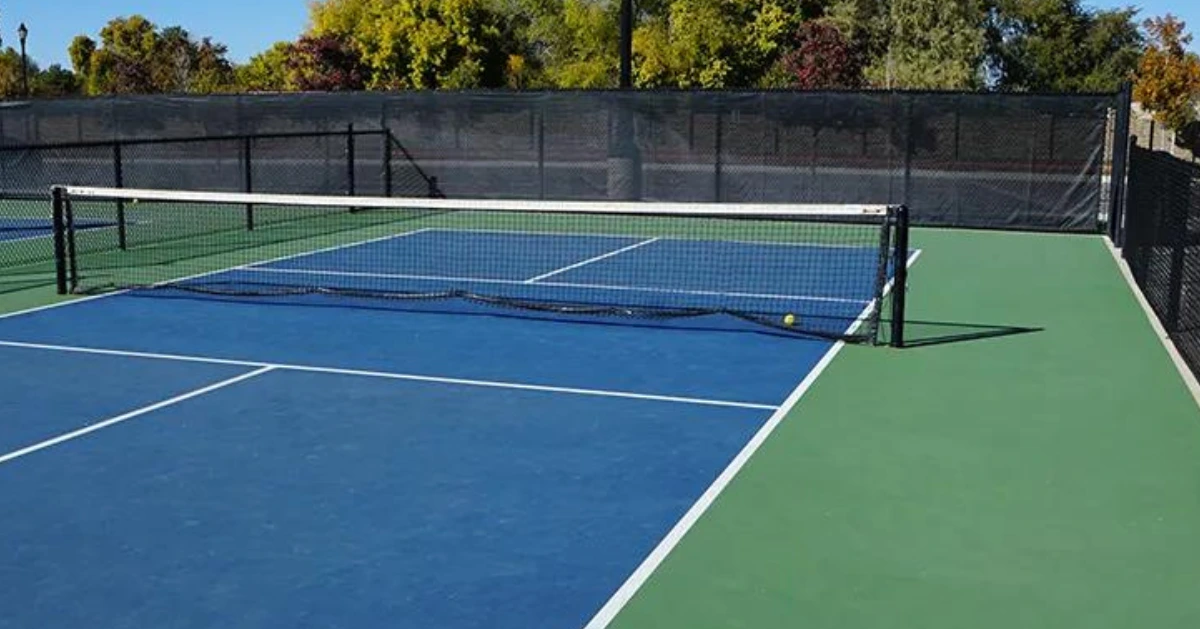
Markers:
<point>1162,243</point>
<point>349,162</point>
<point>1014,161</point>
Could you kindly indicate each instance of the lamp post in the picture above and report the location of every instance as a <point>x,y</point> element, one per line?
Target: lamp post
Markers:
<point>22,33</point>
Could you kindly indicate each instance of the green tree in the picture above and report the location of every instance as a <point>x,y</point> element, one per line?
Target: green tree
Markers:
<point>55,82</point>
<point>421,43</point>
<point>700,43</point>
<point>936,44</point>
<point>10,74</point>
<point>266,71</point>
<point>1060,45</point>
<point>135,56</point>
<point>1168,76</point>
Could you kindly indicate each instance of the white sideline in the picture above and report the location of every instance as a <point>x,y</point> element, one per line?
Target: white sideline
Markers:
<point>49,443</point>
<point>603,256</point>
<point>608,612</point>
<point>493,384</point>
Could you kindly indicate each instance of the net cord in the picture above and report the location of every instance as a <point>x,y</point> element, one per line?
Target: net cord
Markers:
<point>731,210</point>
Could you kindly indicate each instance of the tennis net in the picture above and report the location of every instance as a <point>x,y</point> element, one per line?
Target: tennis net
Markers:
<point>811,270</point>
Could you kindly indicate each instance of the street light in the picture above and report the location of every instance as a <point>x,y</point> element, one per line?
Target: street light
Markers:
<point>22,33</point>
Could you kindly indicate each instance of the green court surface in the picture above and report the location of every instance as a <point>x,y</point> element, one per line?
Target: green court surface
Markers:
<point>1046,478</point>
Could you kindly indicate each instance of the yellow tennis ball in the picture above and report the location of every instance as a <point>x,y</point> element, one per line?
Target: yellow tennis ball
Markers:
<point>789,319</point>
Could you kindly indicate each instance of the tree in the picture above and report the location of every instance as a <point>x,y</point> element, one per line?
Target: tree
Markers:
<point>266,71</point>
<point>55,82</point>
<point>823,58</point>
<point>10,74</point>
<point>324,63</point>
<point>1168,77</point>
<point>135,56</point>
<point>700,43</point>
<point>420,43</point>
<point>936,44</point>
<point>1029,42</point>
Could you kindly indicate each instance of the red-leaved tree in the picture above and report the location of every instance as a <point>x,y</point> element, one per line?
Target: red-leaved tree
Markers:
<point>822,58</point>
<point>325,64</point>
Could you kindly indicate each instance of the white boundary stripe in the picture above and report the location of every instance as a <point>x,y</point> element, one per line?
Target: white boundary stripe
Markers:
<point>766,243</point>
<point>1189,378</point>
<point>642,573</point>
<point>49,443</point>
<point>495,205</point>
<point>603,256</point>
<point>80,300</point>
<point>484,280</point>
<point>493,384</point>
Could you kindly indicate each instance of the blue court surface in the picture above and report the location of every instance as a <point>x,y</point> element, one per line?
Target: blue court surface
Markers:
<point>189,462</point>
<point>22,228</point>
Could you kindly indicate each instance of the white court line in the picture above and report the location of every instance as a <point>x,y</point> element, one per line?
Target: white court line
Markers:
<point>603,256</point>
<point>493,384</point>
<point>616,287</point>
<point>531,232</point>
<point>49,443</point>
<point>642,573</point>
<point>80,300</point>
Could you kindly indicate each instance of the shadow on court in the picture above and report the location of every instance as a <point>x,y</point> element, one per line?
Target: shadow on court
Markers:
<point>929,333</point>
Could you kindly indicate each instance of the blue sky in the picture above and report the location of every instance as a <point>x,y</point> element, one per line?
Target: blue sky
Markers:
<point>249,26</point>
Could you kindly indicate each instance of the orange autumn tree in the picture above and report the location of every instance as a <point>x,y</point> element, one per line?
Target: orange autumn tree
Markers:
<point>1168,76</point>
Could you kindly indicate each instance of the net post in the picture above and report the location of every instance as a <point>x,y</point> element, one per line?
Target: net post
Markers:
<point>899,274</point>
<point>60,240</point>
<point>247,178</point>
<point>119,180</point>
<point>72,260</point>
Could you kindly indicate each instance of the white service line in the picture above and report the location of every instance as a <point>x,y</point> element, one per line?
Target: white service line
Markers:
<point>603,256</point>
<point>642,573</point>
<point>390,376</point>
<point>616,287</point>
<point>49,443</point>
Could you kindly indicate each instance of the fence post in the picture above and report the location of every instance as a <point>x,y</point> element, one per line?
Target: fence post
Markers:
<point>387,162</point>
<point>350,159</point>
<point>119,182</point>
<point>720,124</point>
<point>247,178</point>
<point>540,139</point>
<point>1120,164</point>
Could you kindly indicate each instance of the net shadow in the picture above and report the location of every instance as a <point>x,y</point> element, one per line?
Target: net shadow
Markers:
<point>920,333</point>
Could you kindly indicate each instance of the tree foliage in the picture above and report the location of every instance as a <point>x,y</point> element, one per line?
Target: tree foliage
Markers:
<point>1168,77</point>
<point>700,43</point>
<point>1052,45</point>
<point>134,56</point>
<point>267,71</point>
<point>324,63</point>
<point>420,43</point>
<point>823,58</point>
<point>1060,45</point>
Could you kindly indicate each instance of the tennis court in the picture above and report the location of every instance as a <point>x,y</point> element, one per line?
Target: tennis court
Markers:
<point>457,463</point>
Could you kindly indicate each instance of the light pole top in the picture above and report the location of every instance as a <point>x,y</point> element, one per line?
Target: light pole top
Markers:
<point>22,32</point>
